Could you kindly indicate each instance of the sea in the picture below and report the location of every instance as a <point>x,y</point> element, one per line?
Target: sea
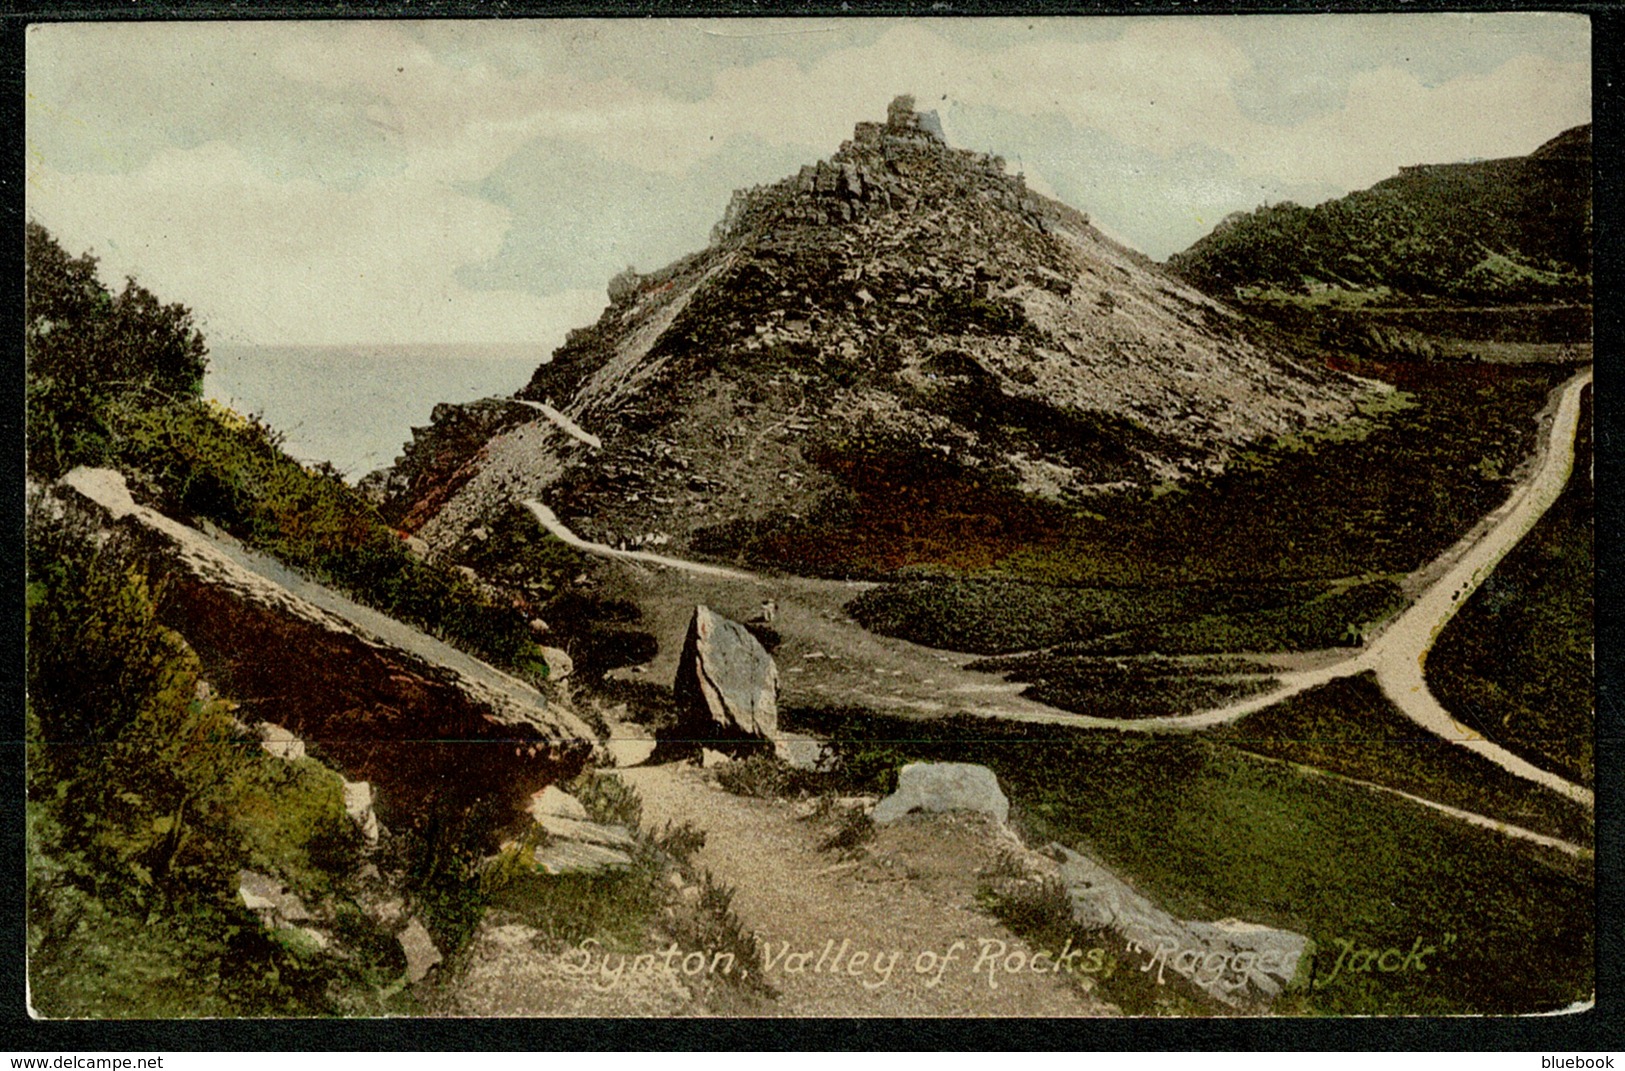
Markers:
<point>356,406</point>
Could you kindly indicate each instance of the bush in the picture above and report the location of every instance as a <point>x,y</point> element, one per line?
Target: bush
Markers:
<point>202,461</point>
<point>766,776</point>
<point>144,800</point>
<point>87,347</point>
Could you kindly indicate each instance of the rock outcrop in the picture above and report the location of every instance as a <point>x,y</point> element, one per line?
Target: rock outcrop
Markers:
<point>426,725</point>
<point>900,300</point>
<point>944,786</point>
<point>572,843</point>
<point>358,804</point>
<point>1239,964</point>
<point>727,684</point>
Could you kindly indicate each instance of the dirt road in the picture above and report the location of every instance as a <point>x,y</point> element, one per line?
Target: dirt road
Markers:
<point>827,658</point>
<point>915,943</point>
<point>1398,654</point>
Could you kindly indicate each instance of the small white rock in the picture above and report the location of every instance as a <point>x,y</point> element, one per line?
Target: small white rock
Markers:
<point>421,954</point>
<point>279,742</point>
<point>553,800</point>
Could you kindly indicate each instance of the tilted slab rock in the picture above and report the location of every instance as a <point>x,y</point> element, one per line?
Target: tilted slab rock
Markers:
<point>944,786</point>
<point>590,832</point>
<point>1240,964</point>
<point>577,857</point>
<point>426,724</point>
<point>727,684</point>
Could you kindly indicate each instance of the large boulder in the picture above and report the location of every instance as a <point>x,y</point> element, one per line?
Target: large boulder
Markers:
<point>727,684</point>
<point>1240,964</point>
<point>944,786</point>
<point>427,725</point>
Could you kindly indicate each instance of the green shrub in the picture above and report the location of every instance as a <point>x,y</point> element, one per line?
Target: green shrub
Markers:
<point>87,347</point>
<point>607,798</point>
<point>202,461</point>
<point>853,829</point>
<point>766,776</point>
<point>145,800</point>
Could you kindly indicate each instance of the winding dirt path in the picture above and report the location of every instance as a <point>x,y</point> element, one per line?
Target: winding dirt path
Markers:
<point>1569,848</point>
<point>905,903</point>
<point>830,658</point>
<point>550,521</point>
<point>564,423</point>
<point>1397,656</point>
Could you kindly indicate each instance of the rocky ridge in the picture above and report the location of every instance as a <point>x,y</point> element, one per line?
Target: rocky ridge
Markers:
<point>430,726</point>
<point>901,300</point>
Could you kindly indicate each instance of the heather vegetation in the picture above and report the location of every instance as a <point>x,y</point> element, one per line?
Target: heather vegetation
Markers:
<point>1517,662</point>
<point>1298,545</point>
<point>1210,831</point>
<point>1517,229</point>
<point>1131,688</point>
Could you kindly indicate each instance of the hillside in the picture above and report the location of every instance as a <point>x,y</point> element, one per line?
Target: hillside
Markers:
<point>1490,231</point>
<point>904,319</point>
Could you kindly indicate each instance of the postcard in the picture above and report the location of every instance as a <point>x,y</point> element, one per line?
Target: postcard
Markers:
<point>791,517</point>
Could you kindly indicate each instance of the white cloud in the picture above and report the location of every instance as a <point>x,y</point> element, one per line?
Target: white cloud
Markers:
<point>309,181</point>
<point>296,262</point>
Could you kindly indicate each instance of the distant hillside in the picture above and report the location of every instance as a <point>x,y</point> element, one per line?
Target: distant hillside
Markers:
<point>1515,229</point>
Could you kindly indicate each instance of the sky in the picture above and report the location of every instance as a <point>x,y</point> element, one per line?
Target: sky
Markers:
<point>355,183</point>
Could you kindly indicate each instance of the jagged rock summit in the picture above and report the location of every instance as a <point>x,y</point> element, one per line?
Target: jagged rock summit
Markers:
<point>903,313</point>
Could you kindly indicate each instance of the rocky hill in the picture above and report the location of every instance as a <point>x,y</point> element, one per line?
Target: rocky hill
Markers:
<point>1514,229</point>
<point>903,319</point>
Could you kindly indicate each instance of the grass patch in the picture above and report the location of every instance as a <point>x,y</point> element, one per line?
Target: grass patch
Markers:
<point>999,616</point>
<point>1516,662</point>
<point>1108,688</point>
<point>1210,832</point>
<point>1349,727</point>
